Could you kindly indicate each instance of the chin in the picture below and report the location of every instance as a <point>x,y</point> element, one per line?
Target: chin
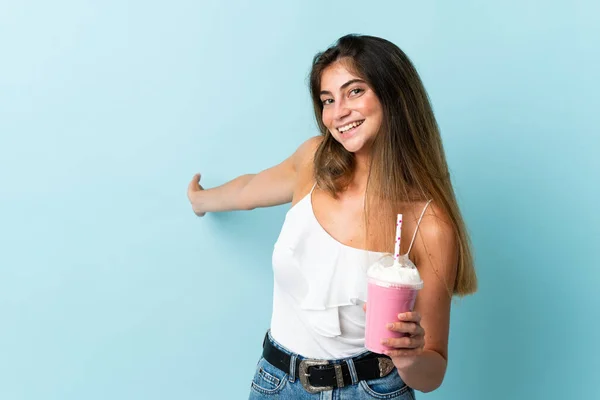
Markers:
<point>352,147</point>
<point>353,144</point>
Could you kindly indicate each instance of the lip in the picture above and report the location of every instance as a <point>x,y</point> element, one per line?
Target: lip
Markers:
<point>348,123</point>
<point>350,133</point>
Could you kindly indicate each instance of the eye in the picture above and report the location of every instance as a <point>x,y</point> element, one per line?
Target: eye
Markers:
<point>356,91</point>
<point>326,101</point>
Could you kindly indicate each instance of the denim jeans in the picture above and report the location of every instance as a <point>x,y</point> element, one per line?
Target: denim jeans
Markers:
<point>270,382</point>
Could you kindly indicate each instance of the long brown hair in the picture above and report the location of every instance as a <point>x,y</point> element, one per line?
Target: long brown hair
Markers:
<point>408,164</point>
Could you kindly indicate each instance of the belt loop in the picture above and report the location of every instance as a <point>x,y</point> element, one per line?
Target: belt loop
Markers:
<point>292,376</point>
<point>352,370</point>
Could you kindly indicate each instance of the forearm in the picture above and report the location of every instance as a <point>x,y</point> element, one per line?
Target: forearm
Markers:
<point>226,197</point>
<point>426,373</point>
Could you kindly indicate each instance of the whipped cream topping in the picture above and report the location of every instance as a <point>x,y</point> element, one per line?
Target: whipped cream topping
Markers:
<point>403,273</point>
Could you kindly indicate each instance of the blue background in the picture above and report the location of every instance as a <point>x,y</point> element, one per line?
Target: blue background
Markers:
<point>111,288</point>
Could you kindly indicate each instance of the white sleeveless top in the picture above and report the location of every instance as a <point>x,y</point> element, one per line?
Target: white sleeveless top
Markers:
<point>319,287</point>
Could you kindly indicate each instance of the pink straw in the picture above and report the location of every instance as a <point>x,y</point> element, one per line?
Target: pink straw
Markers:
<point>398,235</point>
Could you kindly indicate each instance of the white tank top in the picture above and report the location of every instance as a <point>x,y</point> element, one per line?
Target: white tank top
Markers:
<point>319,287</point>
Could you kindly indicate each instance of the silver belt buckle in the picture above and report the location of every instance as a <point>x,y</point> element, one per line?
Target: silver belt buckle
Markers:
<point>304,375</point>
<point>385,366</point>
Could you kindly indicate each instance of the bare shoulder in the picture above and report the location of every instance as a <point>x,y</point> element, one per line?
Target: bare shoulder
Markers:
<point>305,153</point>
<point>303,164</point>
<point>304,157</point>
<point>436,244</point>
<point>436,222</point>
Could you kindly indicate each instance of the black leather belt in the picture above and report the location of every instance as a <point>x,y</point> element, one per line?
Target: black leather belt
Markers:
<point>320,375</point>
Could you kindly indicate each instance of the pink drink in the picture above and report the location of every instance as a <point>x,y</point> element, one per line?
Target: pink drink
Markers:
<point>386,303</point>
<point>392,289</point>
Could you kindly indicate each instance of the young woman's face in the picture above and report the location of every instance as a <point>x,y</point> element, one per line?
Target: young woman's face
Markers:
<point>351,110</point>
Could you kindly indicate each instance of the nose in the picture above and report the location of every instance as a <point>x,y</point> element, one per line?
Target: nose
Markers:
<point>341,110</point>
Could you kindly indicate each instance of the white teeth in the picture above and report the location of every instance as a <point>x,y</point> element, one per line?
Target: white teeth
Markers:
<point>349,126</point>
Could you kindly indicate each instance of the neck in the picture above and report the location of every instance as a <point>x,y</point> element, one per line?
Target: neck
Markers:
<point>361,171</point>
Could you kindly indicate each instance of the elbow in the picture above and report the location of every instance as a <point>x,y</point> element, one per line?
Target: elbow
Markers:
<point>244,205</point>
<point>428,387</point>
<point>243,202</point>
<point>432,387</point>
<point>428,373</point>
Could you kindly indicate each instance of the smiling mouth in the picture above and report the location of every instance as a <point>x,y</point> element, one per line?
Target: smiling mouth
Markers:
<point>350,126</point>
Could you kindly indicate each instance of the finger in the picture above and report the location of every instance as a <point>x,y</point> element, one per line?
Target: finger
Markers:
<point>194,182</point>
<point>404,342</point>
<point>403,353</point>
<point>365,307</point>
<point>411,328</point>
<point>199,177</point>
<point>413,316</point>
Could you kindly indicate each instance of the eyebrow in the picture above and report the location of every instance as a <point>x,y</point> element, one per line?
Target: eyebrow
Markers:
<point>344,86</point>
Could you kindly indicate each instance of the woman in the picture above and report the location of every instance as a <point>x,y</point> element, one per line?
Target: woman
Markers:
<point>379,154</point>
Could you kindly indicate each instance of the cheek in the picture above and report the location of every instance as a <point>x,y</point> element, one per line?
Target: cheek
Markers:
<point>372,106</point>
<point>326,118</point>
<point>375,112</point>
